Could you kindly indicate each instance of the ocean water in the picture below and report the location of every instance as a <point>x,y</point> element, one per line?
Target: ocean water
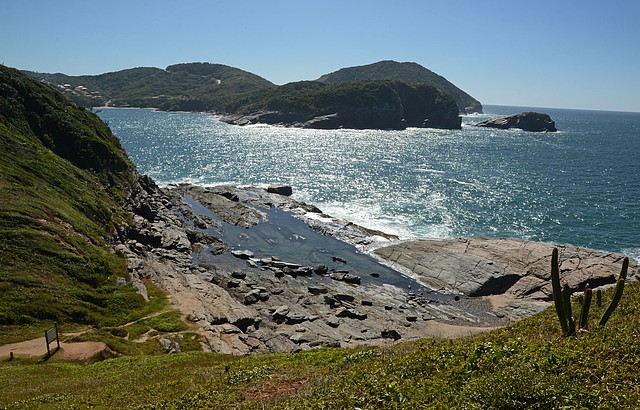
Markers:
<point>579,186</point>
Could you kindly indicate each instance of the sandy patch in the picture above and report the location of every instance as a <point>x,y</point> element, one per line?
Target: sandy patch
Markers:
<point>37,348</point>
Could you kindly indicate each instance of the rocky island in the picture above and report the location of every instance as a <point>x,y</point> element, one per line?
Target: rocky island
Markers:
<point>527,121</point>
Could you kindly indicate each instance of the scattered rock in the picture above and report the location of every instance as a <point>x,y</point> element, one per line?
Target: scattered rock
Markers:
<point>333,322</point>
<point>255,295</point>
<point>238,275</point>
<point>317,290</point>
<point>233,283</point>
<point>170,345</point>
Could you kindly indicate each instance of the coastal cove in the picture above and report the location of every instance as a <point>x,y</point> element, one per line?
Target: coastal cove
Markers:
<point>576,186</point>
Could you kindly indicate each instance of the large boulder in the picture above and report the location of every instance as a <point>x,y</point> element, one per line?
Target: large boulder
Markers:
<point>528,121</point>
<point>511,267</point>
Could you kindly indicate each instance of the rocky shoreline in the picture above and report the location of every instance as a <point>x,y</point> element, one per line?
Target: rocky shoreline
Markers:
<point>260,272</point>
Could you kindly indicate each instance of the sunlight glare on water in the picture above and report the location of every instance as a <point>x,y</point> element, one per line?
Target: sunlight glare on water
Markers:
<point>576,186</point>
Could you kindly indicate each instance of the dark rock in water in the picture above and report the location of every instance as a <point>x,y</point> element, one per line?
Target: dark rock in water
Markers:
<point>242,254</point>
<point>321,270</point>
<point>528,121</point>
<point>280,190</point>
<point>345,277</point>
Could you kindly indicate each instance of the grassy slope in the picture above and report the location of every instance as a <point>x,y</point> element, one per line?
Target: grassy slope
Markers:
<point>63,179</point>
<point>527,365</point>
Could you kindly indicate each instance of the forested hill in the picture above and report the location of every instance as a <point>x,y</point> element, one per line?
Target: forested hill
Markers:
<point>410,73</point>
<point>188,87</point>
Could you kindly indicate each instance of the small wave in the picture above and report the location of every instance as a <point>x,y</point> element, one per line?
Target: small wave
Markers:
<point>429,170</point>
<point>633,253</point>
<point>371,217</point>
<point>461,182</point>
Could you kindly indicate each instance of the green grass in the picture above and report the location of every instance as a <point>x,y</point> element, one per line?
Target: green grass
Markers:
<point>526,365</point>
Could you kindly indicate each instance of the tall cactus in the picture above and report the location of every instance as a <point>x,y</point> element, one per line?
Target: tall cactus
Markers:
<point>586,305</point>
<point>558,299</point>
<point>566,300</point>
<point>617,293</point>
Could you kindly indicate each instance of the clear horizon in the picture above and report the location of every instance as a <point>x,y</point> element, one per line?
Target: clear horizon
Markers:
<point>529,54</point>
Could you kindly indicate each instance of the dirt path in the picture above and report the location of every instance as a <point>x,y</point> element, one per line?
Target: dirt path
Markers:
<point>37,348</point>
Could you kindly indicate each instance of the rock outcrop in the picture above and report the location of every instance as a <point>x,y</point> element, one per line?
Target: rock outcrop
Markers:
<point>514,269</point>
<point>528,121</point>
<point>260,272</point>
<point>207,248</point>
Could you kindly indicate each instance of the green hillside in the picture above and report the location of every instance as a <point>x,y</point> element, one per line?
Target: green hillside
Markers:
<point>188,87</point>
<point>63,180</point>
<point>410,73</point>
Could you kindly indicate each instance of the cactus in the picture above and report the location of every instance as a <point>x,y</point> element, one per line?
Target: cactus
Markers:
<point>566,300</point>
<point>625,267</point>
<point>586,305</point>
<point>562,298</point>
<point>557,292</point>
<point>617,293</point>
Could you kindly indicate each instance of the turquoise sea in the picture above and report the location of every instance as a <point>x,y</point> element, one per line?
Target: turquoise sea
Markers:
<point>580,185</point>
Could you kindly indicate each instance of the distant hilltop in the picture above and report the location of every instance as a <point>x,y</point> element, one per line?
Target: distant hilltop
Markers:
<point>410,73</point>
<point>332,101</point>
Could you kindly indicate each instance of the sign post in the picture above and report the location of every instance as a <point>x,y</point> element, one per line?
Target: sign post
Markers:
<point>51,335</point>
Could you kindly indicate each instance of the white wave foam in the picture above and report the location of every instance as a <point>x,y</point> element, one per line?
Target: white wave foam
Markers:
<point>633,253</point>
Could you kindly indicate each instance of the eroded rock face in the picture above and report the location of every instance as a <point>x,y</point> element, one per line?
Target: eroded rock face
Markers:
<point>528,121</point>
<point>514,269</point>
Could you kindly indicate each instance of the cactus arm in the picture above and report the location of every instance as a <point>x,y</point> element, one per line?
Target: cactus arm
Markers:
<point>625,267</point>
<point>557,292</point>
<point>566,299</point>
<point>617,294</point>
<point>584,316</point>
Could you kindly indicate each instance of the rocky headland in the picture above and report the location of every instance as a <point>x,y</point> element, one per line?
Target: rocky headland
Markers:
<point>527,121</point>
<point>356,105</point>
<point>261,272</point>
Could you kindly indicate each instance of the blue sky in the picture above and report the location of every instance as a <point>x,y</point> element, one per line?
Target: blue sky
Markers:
<point>562,53</point>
